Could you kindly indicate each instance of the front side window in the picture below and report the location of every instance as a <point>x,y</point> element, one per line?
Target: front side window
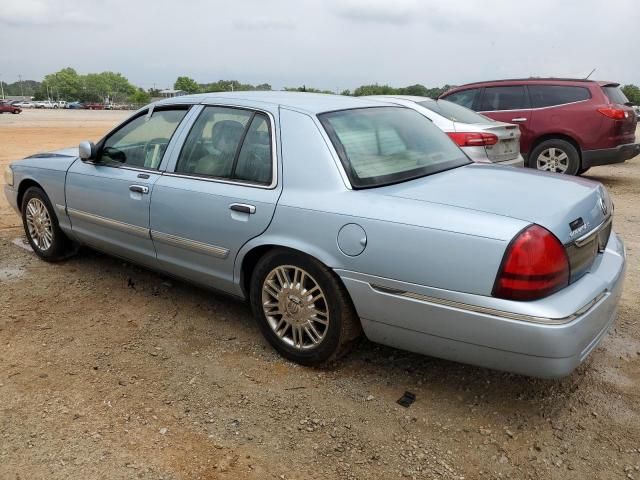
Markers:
<point>384,145</point>
<point>229,143</point>
<point>465,98</point>
<point>142,141</point>
<point>550,95</point>
<point>455,112</point>
<point>503,98</point>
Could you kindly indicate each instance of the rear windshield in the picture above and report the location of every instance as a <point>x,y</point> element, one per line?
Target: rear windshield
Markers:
<point>383,145</point>
<point>615,95</point>
<point>454,112</point>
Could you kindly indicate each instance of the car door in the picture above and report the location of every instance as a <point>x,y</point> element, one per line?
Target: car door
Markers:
<point>510,104</point>
<point>107,198</point>
<point>219,191</point>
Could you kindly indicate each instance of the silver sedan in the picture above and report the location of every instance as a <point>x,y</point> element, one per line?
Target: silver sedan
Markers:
<point>484,140</point>
<point>334,216</point>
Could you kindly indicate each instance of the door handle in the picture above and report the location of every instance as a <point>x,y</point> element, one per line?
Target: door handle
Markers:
<point>519,119</point>
<point>139,188</point>
<point>243,207</point>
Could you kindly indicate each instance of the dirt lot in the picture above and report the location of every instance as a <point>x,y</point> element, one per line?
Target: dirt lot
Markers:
<point>161,380</point>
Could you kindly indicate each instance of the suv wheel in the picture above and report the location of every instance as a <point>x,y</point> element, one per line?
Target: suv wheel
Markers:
<point>302,309</point>
<point>557,156</point>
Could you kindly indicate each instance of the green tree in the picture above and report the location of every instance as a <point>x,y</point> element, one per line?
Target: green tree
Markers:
<point>65,84</point>
<point>139,97</point>
<point>304,88</point>
<point>632,92</point>
<point>186,84</point>
<point>98,86</point>
<point>346,92</point>
<point>375,90</point>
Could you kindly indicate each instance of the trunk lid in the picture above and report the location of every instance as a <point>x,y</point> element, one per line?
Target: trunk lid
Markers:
<point>569,207</point>
<point>508,146</point>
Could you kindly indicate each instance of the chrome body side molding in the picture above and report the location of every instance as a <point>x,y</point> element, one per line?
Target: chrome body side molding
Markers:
<point>109,223</point>
<point>187,244</point>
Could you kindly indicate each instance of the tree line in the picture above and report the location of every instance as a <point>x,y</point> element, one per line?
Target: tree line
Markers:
<point>67,84</point>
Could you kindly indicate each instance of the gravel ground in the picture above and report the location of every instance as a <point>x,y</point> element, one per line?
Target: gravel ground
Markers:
<point>111,371</point>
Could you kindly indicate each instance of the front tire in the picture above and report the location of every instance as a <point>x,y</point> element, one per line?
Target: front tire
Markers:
<point>555,155</point>
<point>41,226</point>
<point>302,309</point>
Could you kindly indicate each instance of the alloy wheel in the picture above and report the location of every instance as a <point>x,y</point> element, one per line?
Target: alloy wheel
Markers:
<point>553,160</point>
<point>295,307</point>
<point>39,224</point>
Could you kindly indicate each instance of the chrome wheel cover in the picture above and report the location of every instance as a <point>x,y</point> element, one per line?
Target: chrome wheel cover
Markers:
<point>39,224</point>
<point>553,160</point>
<point>295,307</point>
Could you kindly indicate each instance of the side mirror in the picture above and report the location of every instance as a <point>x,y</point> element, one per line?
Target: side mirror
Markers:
<point>86,150</point>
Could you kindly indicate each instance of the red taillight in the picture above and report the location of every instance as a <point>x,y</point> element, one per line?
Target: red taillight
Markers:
<point>473,139</point>
<point>615,113</point>
<point>534,266</point>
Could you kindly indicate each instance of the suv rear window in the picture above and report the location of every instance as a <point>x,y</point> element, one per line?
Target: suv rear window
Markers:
<point>503,98</point>
<point>615,95</point>
<point>550,95</point>
<point>383,145</point>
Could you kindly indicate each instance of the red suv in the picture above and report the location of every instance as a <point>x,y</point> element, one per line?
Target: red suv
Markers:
<point>567,125</point>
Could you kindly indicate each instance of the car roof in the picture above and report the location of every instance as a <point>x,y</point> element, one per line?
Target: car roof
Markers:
<point>412,98</point>
<point>540,80</point>
<point>304,101</point>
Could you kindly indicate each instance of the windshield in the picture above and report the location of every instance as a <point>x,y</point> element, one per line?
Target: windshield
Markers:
<point>454,112</point>
<point>383,145</point>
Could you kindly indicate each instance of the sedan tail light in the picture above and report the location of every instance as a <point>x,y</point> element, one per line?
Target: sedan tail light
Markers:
<point>473,139</point>
<point>535,265</point>
<point>615,113</point>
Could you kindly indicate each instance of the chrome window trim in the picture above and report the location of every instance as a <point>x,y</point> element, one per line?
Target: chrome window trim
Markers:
<point>487,310</point>
<point>207,178</point>
<point>110,223</point>
<point>188,244</point>
<point>583,240</point>
<point>532,109</point>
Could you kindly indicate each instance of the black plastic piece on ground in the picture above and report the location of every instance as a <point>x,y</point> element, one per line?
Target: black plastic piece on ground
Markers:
<point>407,399</point>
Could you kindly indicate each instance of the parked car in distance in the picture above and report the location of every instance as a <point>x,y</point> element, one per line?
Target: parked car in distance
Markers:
<point>46,104</point>
<point>6,107</point>
<point>76,106</point>
<point>24,104</point>
<point>334,215</point>
<point>484,140</point>
<point>567,125</point>
<point>94,106</point>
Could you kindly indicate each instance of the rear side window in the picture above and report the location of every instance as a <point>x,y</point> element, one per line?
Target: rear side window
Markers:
<point>503,98</point>
<point>228,143</point>
<point>615,95</point>
<point>550,95</point>
<point>465,98</point>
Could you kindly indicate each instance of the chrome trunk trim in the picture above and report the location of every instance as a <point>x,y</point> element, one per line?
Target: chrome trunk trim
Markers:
<point>487,310</point>
<point>583,240</point>
<point>109,223</point>
<point>187,244</point>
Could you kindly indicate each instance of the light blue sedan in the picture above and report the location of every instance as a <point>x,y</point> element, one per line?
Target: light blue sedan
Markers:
<point>335,216</point>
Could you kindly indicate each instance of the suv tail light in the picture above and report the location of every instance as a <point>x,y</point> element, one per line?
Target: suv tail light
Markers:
<point>615,113</point>
<point>535,265</point>
<point>473,139</point>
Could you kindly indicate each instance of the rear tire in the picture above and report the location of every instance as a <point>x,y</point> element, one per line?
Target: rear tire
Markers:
<point>41,226</point>
<point>555,155</point>
<point>302,309</point>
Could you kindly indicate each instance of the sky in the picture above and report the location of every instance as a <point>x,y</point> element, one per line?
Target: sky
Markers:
<point>330,44</point>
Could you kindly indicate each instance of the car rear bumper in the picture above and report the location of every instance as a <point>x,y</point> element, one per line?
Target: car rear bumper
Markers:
<point>607,156</point>
<point>534,345</point>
